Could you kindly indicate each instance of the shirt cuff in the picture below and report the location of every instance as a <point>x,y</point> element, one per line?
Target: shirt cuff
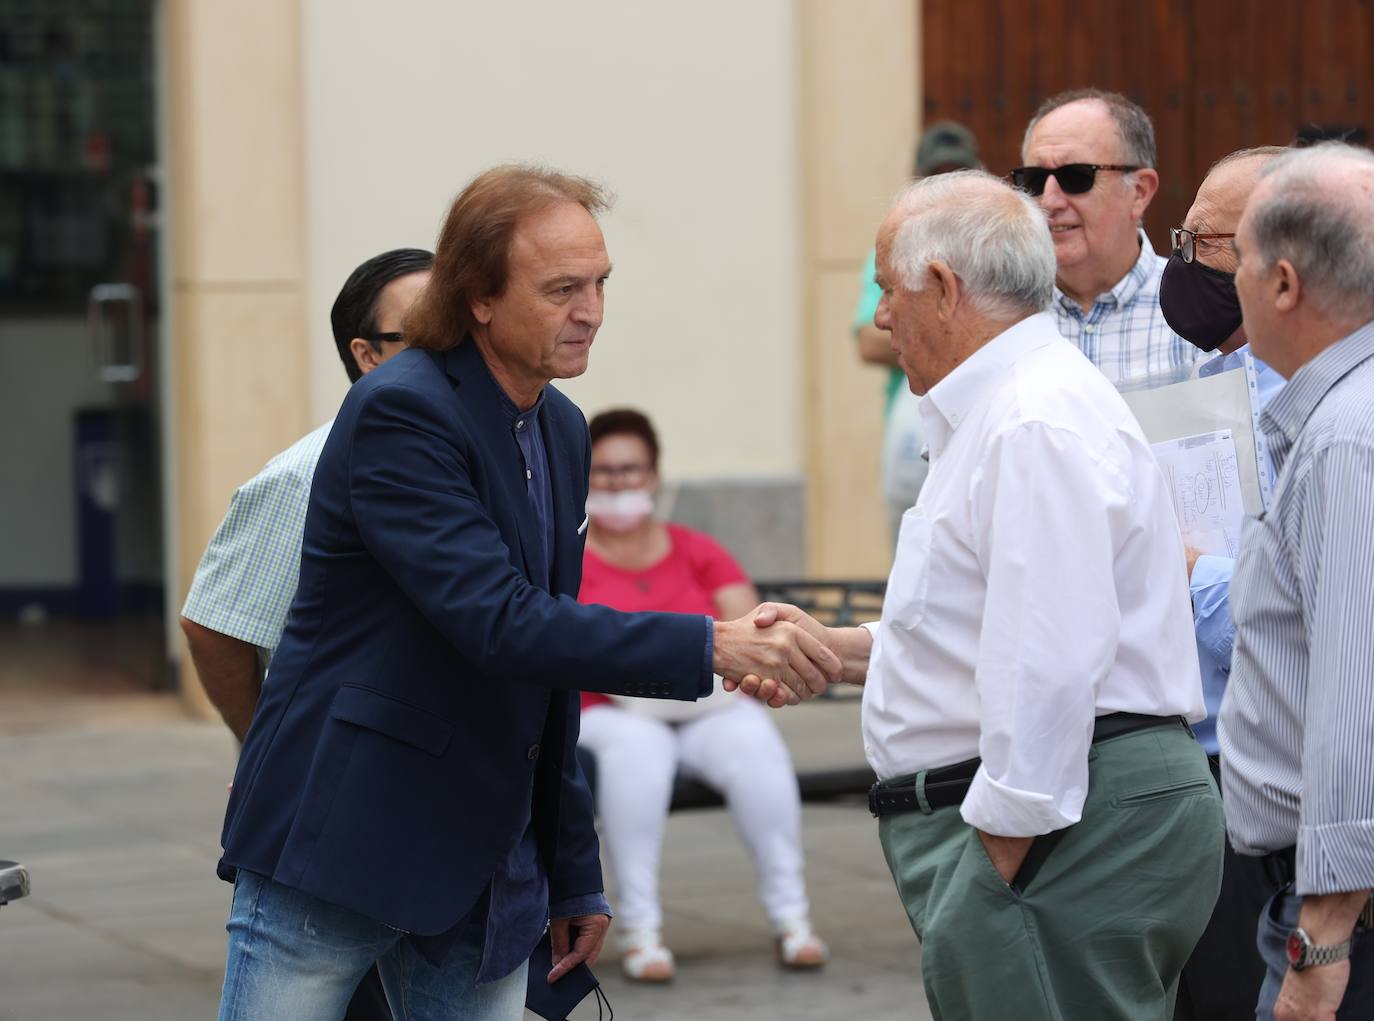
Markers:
<point>1335,858</point>
<point>1209,572</point>
<point>1006,811</point>
<point>587,904</point>
<point>708,675</point>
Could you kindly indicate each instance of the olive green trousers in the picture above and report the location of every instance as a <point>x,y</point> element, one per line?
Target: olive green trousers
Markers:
<point>1102,916</point>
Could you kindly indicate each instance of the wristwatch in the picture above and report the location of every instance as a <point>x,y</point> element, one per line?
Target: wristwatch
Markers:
<point>1303,953</point>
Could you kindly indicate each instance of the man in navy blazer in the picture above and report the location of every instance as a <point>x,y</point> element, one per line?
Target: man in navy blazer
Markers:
<point>408,792</point>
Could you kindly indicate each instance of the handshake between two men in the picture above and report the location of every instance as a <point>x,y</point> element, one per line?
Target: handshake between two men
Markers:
<point>783,656</point>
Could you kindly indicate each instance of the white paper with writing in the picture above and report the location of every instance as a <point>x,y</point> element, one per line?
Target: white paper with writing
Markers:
<point>1204,482</point>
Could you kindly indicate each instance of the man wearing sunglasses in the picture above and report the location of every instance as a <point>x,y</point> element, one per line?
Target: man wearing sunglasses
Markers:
<point>1089,162</point>
<point>236,609</point>
<point>1221,981</point>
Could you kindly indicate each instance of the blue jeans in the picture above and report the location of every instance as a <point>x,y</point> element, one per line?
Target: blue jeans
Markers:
<point>1279,918</point>
<point>294,957</point>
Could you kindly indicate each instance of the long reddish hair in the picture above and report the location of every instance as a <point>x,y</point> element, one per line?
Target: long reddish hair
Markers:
<point>472,256</point>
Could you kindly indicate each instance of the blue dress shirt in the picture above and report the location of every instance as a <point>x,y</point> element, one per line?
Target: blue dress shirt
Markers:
<point>1210,584</point>
<point>516,903</point>
<point>518,909</point>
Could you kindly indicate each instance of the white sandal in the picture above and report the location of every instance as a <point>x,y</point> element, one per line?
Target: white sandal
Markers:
<point>799,948</point>
<point>643,957</point>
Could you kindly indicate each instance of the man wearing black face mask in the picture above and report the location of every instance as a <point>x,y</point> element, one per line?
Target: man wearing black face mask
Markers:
<point>1198,298</point>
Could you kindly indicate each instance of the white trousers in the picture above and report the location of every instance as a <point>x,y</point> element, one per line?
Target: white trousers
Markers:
<point>736,750</point>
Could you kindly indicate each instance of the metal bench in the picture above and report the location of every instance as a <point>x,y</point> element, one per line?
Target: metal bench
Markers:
<point>837,604</point>
<point>14,881</point>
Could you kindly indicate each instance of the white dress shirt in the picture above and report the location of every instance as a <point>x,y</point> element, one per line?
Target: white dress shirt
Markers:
<point>1039,583</point>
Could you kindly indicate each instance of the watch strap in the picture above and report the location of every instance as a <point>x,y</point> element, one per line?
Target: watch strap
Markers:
<point>1312,955</point>
<point>1330,954</point>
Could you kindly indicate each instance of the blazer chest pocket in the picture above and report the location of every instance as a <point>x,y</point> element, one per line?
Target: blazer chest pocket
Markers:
<point>364,707</point>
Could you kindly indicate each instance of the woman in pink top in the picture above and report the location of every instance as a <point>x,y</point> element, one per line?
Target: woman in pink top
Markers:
<point>634,562</point>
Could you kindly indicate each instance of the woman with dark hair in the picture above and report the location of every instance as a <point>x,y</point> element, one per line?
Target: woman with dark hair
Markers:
<point>634,562</point>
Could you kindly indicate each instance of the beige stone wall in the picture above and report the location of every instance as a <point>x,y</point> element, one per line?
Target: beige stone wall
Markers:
<point>859,120</point>
<point>237,256</point>
<point>686,111</point>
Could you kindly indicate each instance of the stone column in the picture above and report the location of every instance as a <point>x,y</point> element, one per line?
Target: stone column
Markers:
<point>859,120</point>
<point>237,254</point>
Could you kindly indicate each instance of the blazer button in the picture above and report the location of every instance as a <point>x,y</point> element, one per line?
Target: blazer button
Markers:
<point>533,753</point>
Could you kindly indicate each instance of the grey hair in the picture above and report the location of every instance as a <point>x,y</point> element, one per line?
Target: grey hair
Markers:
<point>1133,125</point>
<point>1326,232</point>
<point>998,245</point>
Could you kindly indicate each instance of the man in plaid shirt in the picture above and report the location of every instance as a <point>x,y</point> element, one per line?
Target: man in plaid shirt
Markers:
<point>236,609</point>
<point>1089,161</point>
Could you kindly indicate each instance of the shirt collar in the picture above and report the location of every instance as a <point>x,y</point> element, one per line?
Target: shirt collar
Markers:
<point>508,407</point>
<point>1126,289</point>
<point>1292,406</point>
<point>951,400</point>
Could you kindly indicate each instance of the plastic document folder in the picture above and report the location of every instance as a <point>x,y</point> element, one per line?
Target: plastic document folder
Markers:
<point>1201,422</point>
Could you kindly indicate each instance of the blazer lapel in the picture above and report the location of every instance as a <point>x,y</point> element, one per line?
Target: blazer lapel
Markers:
<point>477,391</point>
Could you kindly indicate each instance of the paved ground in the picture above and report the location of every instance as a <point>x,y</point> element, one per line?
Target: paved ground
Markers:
<point>117,814</point>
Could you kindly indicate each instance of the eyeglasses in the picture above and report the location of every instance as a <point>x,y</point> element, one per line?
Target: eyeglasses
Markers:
<point>1184,241</point>
<point>630,474</point>
<point>1073,178</point>
<point>383,338</point>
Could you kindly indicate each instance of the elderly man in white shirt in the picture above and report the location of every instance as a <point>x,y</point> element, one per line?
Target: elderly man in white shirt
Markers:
<point>1051,823</point>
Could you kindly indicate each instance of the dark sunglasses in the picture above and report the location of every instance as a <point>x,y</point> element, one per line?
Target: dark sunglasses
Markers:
<point>1073,178</point>
<point>1184,241</point>
<point>379,338</point>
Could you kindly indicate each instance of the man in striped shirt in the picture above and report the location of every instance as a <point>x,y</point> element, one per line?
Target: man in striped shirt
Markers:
<point>1090,158</point>
<point>1297,720</point>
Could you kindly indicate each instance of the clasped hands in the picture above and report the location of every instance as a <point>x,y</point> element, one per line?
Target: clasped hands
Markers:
<point>783,656</point>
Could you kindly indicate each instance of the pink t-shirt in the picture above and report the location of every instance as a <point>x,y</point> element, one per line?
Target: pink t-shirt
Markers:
<point>682,582</point>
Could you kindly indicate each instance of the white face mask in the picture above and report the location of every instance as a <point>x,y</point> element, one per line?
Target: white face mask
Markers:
<point>620,510</point>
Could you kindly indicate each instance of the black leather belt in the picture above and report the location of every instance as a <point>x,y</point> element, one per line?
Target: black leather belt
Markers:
<point>946,786</point>
<point>1281,866</point>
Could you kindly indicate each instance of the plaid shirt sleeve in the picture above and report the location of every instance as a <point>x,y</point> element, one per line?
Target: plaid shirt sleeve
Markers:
<point>247,578</point>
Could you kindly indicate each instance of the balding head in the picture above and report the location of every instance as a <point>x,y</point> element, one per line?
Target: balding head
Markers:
<point>1315,209</point>
<point>1221,200</point>
<point>1306,249</point>
<point>1095,232</point>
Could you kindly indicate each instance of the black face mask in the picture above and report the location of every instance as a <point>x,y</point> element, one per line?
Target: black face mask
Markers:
<point>1199,303</point>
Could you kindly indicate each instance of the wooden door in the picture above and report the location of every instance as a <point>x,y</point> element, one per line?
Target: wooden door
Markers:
<point>1214,75</point>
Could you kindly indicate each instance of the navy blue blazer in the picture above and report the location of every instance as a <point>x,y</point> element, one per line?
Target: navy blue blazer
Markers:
<point>428,677</point>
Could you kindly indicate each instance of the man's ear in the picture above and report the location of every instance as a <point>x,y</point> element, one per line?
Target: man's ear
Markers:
<point>365,356</point>
<point>1287,286</point>
<point>481,310</point>
<point>1144,184</point>
<point>948,289</point>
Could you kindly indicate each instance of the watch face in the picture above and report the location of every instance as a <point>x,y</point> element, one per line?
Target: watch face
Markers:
<point>1294,948</point>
